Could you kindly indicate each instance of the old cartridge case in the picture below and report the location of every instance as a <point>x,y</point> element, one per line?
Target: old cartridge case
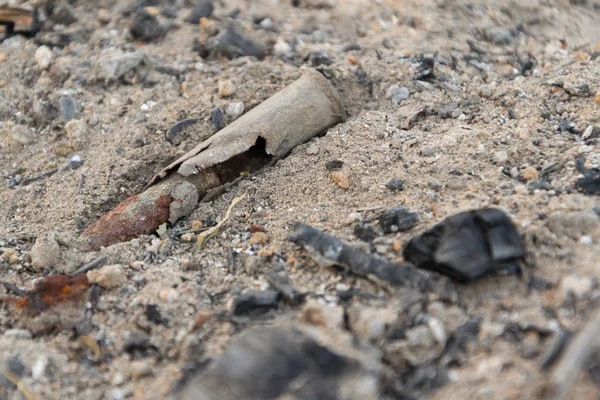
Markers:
<point>272,129</point>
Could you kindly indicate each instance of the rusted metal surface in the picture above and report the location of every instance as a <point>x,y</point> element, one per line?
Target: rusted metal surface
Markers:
<point>51,291</point>
<point>138,215</point>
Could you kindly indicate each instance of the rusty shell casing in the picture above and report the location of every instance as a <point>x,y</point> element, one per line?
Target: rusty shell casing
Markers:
<point>292,116</point>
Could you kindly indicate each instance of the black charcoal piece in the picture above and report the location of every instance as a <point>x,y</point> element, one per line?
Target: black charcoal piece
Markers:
<point>397,220</point>
<point>468,245</point>
<point>328,250</point>
<point>255,302</point>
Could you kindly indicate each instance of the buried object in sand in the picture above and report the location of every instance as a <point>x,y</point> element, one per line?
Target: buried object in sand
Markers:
<point>267,132</point>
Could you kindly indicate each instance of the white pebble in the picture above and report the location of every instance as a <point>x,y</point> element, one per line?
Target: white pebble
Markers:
<point>234,110</point>
<point>43,57</point>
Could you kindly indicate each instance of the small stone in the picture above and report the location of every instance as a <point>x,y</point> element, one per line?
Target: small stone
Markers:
<point>75,162</point>
<point>253,264</point>
<point>9,255</point>
<point>597,97</point>
<point>103,16</point>
<point>38,370</point>
<point>397,94</point>
<point>68,108</point>
<point>397,219</point>
<point>312,149</point>
<point>169,295</point>
<point>319,57</point>
<point>282,48</point>
<point>226,89</point>
<point>146,27</point>
<point>216,118</point>
<point>342,178</point>
<point>500,157</point>
<point>22,135</point>
<point>266,23</point>
<point>115,64</point>
<point>485,91</point>
<point>395,185</point>
<point>196,224</point>
<point>188,237</point>
<point>63,15</point>
<point>232,44</point>
<point>258,238</point>
<point>428,151</point>
<point>234,110</point>
<point>18,333</point>
<point>319,314</point>
<point>530,174</point>
<point>75,129</point>
<point>45,253</point>
<point>203,9</point>
<point>446,110</point>
<point>586,240</point>
<point>108,277</point>
<point>2,57</point>
<point>576,285</point>
<point>43,57</point>
<point>139,369</point>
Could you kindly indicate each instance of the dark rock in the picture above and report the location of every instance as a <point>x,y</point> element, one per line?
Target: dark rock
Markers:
<point>468,245</point>
<point>352,47</point>
<point>139,344</point>
<point>498,35</point>
<point>566,126</point>
<point>232,44</point>
<point>331,251</point>
<point>255,302</point>
<point>68,108</point>
<point>173,133</point>
<point>145,27</point>
<point>153,315</point>
<point>590,183</point>
<point>367,232</point>
<point>276,363</point>
<point>203,9</point>
<point>395,185</point>
<point>217,119</point>
<point>334,165</point>
<point>397,220</point>
<point>319,57</point>
<point>539,284</point>
<point>425,69</point>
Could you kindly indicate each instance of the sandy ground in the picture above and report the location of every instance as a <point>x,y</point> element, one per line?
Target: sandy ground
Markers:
<point>500,124</point>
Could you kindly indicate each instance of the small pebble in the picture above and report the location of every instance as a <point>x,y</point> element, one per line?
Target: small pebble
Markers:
<point>169,295</point>
<point>226,89</point>
<point>75,162</point>
<point>312,149</point>
<point>597,97</point>
<point>108,277</point>
<point>428,151</point>
<point>234,110</point>
<point>485,91</point>
<point>586,240</point>
<point>103,16</point>
<point>342,178</point>
<point>68,108</point>
<point>530,174</point>
<point>395,185</point>
<point>9,255</point>
<point>45,253</point>
<point>397,94</point>
<point>282,48</point>
<point>75,129</point>
<point>258,238</point>
<point>43,57</point>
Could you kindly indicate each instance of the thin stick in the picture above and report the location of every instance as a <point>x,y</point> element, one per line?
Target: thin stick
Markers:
<point>91,265</point>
